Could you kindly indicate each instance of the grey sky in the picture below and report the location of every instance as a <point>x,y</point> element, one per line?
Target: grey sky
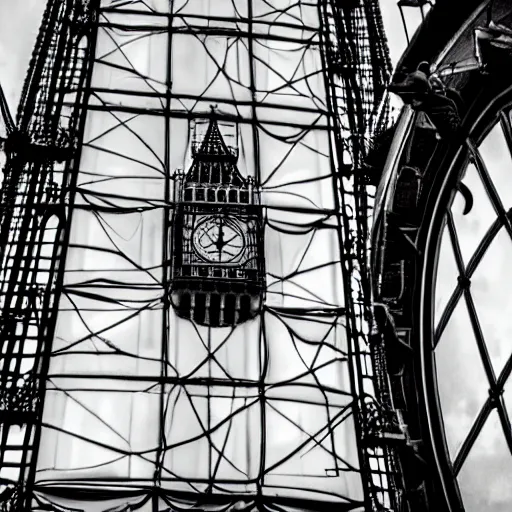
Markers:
<point>19,24</point>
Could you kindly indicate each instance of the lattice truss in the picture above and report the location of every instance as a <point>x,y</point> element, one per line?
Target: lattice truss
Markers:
<point>34,196</point>
<point>129,406</point>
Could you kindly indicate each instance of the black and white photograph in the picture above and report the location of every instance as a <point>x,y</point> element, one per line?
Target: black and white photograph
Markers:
<point>255,255</point>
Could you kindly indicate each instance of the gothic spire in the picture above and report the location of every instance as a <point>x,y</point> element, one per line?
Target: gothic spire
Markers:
<point>213,161</point>
<point>213,144</point>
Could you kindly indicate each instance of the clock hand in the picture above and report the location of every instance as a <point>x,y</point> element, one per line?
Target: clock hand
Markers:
<point>207,234</point>
<point>205,246</point>
<point>220,239</point>
<point>232,238</point>
<point>205,240</point>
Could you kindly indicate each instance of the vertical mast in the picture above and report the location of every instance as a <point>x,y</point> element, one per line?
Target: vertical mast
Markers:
<point>36,191</point>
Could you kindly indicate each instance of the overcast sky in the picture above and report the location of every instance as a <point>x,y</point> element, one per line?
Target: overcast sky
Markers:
<point>20,20</point>
<point>19,23</point>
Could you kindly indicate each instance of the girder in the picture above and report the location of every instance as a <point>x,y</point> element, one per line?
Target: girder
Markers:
<point>132,405</point>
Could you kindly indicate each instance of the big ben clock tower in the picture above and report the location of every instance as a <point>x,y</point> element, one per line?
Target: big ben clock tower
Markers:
<point>217,275</point>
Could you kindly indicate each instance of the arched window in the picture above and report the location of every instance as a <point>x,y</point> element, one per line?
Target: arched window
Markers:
<point>200,307</point>
<point>200,194</point>
<point>221,196</point>
<point>233,195</point>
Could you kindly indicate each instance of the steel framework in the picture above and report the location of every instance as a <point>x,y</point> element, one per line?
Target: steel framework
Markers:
<point>108,399</point>
<point>441,229</point>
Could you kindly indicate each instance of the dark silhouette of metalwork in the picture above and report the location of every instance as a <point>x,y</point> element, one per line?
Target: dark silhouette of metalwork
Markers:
<point>443,173</point>
<point>93,168</point>
<point>35,198</point>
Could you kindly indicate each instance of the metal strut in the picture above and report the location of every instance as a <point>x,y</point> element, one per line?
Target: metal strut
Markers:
<point>10,126</point>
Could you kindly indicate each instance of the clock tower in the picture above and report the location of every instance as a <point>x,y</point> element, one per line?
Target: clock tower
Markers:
<point>217,274</point>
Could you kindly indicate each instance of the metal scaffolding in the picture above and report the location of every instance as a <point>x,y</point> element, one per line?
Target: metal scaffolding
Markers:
<point>118,391</point>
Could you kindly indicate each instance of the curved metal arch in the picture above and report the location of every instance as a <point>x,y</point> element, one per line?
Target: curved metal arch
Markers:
<point>442,36</point>
<point>427,268</point>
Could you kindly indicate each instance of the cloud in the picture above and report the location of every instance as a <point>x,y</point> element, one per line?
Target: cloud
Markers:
<point>19,25</point>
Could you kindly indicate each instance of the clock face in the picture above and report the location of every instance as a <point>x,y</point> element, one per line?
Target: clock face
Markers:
<point>218,239</point>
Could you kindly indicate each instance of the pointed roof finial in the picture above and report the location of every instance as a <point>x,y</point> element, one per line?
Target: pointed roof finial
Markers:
<point>213,143</point>
<point>214,162</point>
